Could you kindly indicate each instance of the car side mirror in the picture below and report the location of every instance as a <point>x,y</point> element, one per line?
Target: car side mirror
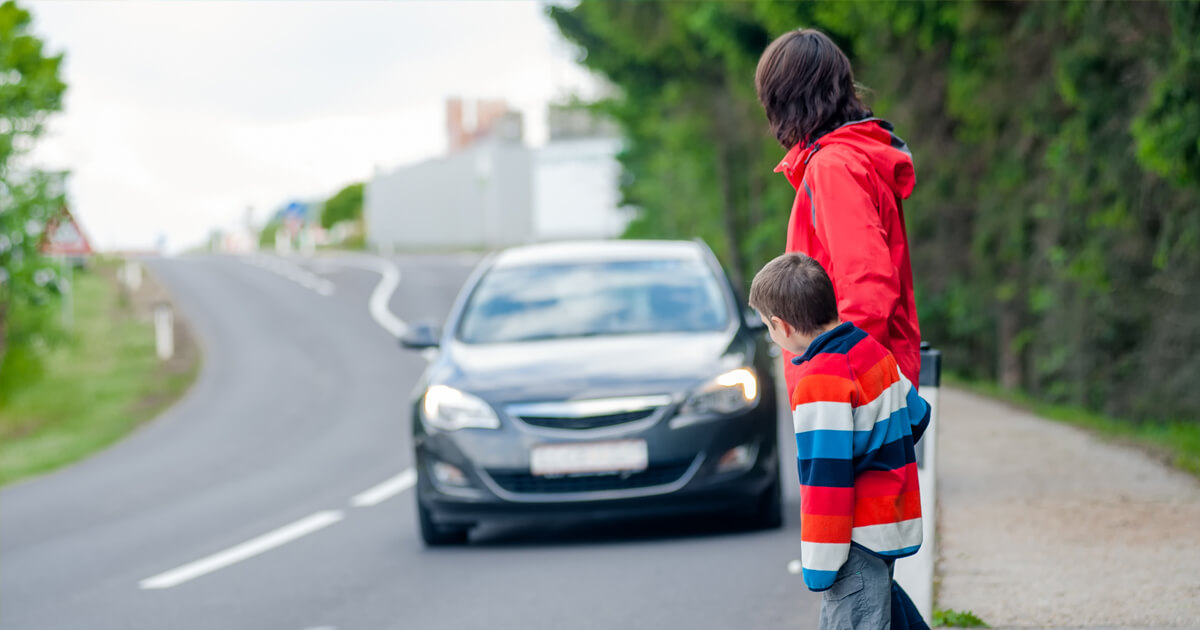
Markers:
<point>421,336</point>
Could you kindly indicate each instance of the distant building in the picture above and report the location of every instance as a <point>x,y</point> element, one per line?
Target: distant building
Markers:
<point>469,122</point>
<point>493,191</point>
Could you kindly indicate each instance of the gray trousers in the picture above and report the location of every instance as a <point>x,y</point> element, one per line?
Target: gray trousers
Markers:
<point>861,596</point>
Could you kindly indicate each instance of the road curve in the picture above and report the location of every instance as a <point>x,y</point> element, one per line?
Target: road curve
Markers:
<point>275,494</point>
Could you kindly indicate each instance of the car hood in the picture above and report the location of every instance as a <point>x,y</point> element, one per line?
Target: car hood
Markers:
<point>591,367</point>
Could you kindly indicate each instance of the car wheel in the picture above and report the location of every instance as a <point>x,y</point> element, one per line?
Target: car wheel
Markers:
<point>769,514</point>
<point>435,535</point>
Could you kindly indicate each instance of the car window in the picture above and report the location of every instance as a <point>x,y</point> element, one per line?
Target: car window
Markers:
<point>587,299</point>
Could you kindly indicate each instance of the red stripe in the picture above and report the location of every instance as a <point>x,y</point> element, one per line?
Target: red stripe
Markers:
<point>866,354</point>
<point>887,483</point>
<point>827,501</point>
<point>877,378</point>
<point>883,510</point>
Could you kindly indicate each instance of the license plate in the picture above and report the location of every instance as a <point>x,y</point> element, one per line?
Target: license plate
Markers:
<point>589,458</point>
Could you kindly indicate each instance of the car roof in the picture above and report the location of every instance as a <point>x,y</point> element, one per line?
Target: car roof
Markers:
<point>599,251</point>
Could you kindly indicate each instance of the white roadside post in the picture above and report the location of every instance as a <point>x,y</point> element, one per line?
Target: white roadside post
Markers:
<point>915,573</point>
<point>164,331</point>
<point>308,244</point>
<point>131,275</point>
<point>283,245</point>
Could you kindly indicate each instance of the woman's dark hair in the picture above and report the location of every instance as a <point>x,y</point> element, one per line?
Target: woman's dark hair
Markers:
<point>806,86</point>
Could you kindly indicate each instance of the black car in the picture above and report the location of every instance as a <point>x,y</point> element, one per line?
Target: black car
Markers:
<point>595,380</point>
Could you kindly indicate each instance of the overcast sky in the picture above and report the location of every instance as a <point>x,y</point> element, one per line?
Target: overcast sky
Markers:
<point>181,115</point>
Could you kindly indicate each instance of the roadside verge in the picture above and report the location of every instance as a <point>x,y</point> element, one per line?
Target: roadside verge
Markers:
<point>1043,524</point>
<point>101,383</point>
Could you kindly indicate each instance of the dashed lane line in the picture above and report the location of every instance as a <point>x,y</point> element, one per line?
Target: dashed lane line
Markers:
<point>386,490</point>
<point>244,551</point>
<point>378,308</point>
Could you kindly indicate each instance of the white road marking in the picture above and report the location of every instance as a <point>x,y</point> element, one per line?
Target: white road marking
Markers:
<point>386,490</point>
<point>378,304</point>
<point>244,551</point>
<point>795,568</point>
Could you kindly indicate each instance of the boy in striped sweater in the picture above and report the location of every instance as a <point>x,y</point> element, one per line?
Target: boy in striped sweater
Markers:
<point>856,419</point>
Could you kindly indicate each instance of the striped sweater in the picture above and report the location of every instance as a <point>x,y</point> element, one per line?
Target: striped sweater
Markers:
<point>856,418</point>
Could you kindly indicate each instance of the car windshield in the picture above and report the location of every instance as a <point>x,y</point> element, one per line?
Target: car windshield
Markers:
<point>587,299</point>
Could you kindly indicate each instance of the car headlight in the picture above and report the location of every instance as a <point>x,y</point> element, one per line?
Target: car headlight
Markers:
<point>449,409</point>
<point>731,392</point>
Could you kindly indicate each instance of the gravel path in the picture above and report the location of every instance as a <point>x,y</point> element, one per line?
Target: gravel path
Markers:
<point>1044,525</point>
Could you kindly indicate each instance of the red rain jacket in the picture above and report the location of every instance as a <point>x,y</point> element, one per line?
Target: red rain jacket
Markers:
<point>848,216</point>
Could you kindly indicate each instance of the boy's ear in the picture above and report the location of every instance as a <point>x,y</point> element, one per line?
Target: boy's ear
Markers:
<point>782,326</point>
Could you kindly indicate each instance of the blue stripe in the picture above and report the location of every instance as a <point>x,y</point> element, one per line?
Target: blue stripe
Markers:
<point>918,411</point>
<point>890,456</point>
<point>898,553</point>
<point>819,580</point>
<point>829,473</point>
<point>825,444</point>
<point>890,430</point>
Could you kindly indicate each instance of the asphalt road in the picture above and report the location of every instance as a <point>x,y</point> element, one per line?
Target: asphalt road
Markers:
<point>283,472</point>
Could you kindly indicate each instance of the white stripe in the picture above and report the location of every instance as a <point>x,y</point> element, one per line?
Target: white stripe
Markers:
<point>832,416</point>
<point>386,490</point>
<point>889,536</point>
<point>244,551</point>
<point>823,416</point>
<point>889,401</point>
<point>824,556</point>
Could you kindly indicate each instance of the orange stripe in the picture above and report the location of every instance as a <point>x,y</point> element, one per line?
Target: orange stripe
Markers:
<point>878,378</point>
<point>822,388</point>
<point>882,510</point>
<point>820,528</point>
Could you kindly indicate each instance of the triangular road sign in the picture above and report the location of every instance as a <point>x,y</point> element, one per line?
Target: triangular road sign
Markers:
<point>64,237</point>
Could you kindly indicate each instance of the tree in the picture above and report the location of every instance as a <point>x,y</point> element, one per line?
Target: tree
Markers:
<point>30,90</point>
<point>346,205</point>
<point>1054,232</point>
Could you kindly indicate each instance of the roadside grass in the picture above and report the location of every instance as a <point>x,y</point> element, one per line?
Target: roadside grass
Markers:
<point>956,619</point>
<point>1177,443</point>
<point>96,386</point>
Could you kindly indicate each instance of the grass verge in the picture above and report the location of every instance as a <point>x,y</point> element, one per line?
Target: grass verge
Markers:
<point>1177,443</point>
<point>96,387</point>
<point>956,619</point>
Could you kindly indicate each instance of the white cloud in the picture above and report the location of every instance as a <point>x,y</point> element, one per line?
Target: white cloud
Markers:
<point>180,115</point>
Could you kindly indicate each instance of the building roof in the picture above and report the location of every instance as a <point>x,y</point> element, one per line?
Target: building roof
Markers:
<point>591,251</point>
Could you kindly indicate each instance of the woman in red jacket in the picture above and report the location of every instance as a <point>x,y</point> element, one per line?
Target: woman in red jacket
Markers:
<point>850,173</point>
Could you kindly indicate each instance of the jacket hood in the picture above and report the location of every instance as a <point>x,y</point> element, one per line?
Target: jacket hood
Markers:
<point>873,138</point>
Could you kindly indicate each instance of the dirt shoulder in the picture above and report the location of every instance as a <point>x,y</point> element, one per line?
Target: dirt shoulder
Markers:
<point>1045,525</point>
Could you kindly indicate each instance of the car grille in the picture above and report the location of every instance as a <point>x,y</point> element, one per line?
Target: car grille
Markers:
<point>590,422</point>
<point>525,483</point>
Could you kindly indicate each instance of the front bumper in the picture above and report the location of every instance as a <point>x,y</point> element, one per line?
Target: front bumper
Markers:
<point>682,476</point>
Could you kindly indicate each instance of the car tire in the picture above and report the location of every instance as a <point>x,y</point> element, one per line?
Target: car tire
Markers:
<point>769,514</point>
<point>435,535</point>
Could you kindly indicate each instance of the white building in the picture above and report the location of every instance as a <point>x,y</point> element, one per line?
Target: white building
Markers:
<point>497,192</point>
